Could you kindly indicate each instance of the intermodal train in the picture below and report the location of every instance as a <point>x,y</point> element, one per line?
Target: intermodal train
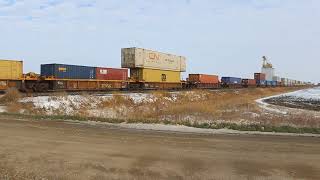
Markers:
<point>141,69</point>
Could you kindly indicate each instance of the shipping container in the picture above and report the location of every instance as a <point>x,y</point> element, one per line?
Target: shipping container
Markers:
<point>111,74</point>
<point>231,82</point>
<point>259,76</point>
<point>64,71</point>
<point>203,78</point>
<point>203,81</point>
<point>142,58</point>
<point>276,78</point>
<point>11,69</point>
<point>249,82</point>
<point>153,75</point>
<point>261,83</point>
<point>269,83</point>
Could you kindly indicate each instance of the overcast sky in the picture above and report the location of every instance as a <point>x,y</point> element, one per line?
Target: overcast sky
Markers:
<point>224,37</point>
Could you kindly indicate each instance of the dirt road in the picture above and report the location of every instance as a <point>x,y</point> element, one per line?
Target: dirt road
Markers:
<point>60,150</point>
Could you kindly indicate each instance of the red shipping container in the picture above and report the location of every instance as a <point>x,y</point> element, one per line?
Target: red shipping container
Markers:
<point>204,78</point>
<point>260,76</point>
<point>111,74</point>
<point>249,82</point>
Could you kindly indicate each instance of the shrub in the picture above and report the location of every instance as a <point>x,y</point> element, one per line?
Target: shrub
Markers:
<point>12,95</point>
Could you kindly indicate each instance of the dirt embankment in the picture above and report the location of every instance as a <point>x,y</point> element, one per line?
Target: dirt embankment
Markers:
<point>57,150</point>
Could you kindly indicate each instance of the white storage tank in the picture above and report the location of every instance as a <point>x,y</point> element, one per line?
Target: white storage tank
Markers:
<point>270,73</point>
<point>267,69</point>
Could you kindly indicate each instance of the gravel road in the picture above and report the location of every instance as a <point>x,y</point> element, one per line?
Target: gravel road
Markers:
<point>64,150</point>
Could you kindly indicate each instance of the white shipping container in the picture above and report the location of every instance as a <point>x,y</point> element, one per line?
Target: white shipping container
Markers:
<point>276,78</point>
<point>143,58</point>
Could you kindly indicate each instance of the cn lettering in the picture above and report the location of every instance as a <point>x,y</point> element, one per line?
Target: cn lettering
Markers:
<point>154,56</point>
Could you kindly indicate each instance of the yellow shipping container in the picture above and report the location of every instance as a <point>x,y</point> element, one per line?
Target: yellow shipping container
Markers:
<point>10,69</point>
<point>154,75</point>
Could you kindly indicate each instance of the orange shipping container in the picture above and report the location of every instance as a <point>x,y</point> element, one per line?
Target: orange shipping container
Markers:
<point>204,78</point>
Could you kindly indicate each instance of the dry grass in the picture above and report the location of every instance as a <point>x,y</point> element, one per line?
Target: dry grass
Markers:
<point>200,108</point>
<point>11,100</point>
<point>12,95</point>
<point>204,104</point>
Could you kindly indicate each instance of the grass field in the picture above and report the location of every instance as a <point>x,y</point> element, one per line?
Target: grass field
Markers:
<point>232,109</point>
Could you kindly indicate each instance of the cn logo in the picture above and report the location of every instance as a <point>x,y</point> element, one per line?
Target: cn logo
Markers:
<point>154,56</point>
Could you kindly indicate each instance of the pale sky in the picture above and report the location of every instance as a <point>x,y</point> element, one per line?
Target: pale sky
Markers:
<point>224,37</point>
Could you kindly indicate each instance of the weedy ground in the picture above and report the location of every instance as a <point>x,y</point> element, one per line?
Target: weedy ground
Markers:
<point>233,109</point>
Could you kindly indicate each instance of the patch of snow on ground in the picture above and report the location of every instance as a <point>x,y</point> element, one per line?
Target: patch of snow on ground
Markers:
<point>2,109</point>
<point>268,107</point>
<point>67,103</point>
<point>186,129</point>
<point>312,93</point>
<point>70,103</point>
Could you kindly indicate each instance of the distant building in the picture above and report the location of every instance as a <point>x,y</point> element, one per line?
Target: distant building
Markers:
<point>267,69</point>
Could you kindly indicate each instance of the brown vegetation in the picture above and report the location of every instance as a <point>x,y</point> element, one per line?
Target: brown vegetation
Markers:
<point>204,106</point>
<point>199,108</point>
<point>11,96</point>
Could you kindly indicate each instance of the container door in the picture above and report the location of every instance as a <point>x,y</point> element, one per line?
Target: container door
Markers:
<point>91,74</point>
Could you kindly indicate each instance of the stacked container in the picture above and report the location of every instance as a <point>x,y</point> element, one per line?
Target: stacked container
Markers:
<point>154,75</point>
<point>260,79</point>
<point>148,59</point>
<point>152,66</point>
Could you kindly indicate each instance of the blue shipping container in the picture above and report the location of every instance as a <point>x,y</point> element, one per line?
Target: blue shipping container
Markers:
<point>269,83</point>
<point>64,71</point>
<point>231,80</point>
<point>261,82</point>
<point>274,83</point>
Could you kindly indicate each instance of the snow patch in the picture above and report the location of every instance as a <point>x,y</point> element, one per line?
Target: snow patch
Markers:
<point>3,109</point>
<point>185,129</point>
<point>306,94</point>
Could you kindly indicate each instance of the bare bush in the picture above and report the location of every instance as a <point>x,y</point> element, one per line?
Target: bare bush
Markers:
<point>12,95</point>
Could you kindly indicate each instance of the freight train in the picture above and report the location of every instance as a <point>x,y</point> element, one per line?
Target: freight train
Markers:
<point>148,70</point>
